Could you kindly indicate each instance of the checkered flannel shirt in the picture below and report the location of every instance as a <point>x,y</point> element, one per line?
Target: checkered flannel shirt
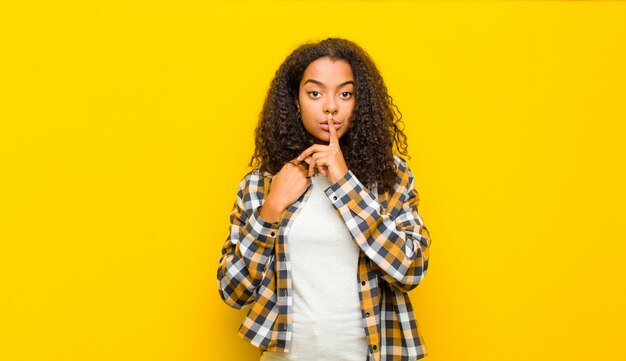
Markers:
<point>254,267</point>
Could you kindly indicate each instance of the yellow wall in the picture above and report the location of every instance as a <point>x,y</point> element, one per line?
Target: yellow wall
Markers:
<point>126,125</point>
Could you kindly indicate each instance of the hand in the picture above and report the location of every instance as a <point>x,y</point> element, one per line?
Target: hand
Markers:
<point>288,185</point>
<point>328,159</point>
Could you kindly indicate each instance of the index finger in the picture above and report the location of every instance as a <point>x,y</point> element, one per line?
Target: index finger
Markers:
<point>334,139</point>
<point>310,150</point>
<point>296,161</point>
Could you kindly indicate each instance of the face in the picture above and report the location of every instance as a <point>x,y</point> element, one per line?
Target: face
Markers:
<point>327,86</point>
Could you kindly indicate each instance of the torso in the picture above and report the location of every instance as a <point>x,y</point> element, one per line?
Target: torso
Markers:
<point>327,321</point>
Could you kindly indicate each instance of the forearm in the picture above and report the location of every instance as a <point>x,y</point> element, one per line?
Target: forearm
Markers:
<point>272,210</point>
<point>395,239</point>
<point>245,256</point>
<point>400,250</point>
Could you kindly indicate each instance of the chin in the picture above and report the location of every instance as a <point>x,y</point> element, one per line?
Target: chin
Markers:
<point>319,139</point>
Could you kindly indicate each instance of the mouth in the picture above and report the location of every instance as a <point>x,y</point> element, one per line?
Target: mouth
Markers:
<point>324,125</point>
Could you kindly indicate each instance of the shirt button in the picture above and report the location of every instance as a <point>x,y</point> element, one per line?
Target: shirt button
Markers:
<point>374,347</point>
<point>367,314</point>
<point>334,198</point>
<point>363,283</point>
<point>272,234</point>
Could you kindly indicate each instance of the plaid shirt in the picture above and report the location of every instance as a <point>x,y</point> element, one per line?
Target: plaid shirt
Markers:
<point>254,266</point>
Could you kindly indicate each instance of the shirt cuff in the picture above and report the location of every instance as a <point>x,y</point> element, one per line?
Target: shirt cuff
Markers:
<point>261,230</point>
<point>341,191</point>
<point>350,193</point>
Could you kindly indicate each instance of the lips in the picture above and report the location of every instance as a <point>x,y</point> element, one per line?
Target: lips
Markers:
<point>324,125</point>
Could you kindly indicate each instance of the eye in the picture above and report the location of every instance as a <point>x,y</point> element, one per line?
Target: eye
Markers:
<point>346,94</point>
<point>312,93</point>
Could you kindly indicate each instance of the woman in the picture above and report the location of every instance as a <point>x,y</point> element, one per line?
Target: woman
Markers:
<point>325,238</point>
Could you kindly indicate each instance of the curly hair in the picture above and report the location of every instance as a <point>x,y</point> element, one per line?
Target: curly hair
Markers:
<point>375,127</point>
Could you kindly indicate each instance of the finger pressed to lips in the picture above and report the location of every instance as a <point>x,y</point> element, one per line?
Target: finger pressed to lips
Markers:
<point>326,127</point>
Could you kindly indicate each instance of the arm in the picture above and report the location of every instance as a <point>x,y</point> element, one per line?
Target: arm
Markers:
<point>396,243</point>
<point>249,245</point>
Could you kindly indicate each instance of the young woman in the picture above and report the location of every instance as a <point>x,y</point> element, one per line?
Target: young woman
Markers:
<point>325,238</point>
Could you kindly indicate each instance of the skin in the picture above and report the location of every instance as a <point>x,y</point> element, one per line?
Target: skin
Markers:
<point>327,87</point>
<point>326,95</point>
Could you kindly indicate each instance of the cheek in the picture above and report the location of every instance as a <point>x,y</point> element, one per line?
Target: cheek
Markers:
<point>308,106</point>
<point>350,107</point>
<point>309,113</point>
<point>350,114</point>
<point>308,121</point>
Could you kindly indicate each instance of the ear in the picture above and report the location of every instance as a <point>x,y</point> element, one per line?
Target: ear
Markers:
<point>298,104</point>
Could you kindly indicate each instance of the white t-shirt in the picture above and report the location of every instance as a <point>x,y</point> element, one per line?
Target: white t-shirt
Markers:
<point>327,322</point>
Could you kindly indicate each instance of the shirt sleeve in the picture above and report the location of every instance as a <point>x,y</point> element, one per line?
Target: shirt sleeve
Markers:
<point>248,247</point>
<point>396,242</point>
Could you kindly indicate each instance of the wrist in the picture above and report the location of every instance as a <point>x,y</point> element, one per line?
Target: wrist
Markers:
<point>275,203</point>
<point>342,173</point>
<point>272,211</point>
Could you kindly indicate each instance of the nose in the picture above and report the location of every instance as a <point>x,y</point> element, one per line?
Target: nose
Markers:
<point>330,107</point>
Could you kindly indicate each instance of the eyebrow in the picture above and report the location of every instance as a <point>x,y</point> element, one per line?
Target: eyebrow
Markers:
<point>322,84</point>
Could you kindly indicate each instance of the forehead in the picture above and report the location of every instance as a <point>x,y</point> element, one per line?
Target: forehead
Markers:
<point>328,71</point>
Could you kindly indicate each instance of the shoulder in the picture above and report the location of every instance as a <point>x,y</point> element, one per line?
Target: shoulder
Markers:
<point>253,184</point>
<point>405,181</point>
<point>401,164</point>
<point>403,172</point>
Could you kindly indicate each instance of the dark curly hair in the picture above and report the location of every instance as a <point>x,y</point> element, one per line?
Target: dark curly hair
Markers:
<point>367,146</point>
